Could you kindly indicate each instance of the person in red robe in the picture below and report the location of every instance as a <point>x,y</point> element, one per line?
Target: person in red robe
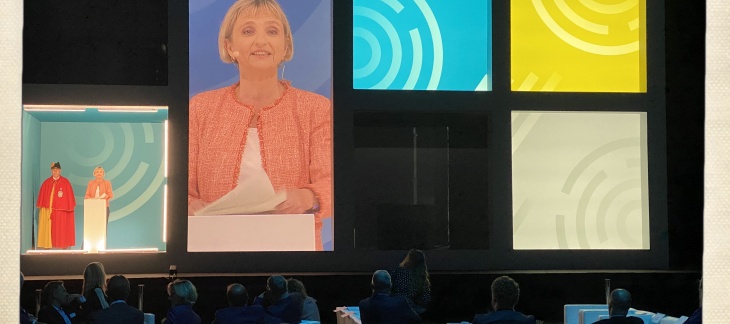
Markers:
<point>56,204</point>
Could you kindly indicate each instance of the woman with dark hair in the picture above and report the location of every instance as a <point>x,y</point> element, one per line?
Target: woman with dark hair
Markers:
<point>411,280</point>
<point>310,311</point>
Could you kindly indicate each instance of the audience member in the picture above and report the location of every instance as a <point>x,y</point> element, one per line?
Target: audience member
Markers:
<point>278,302</point>
<point>411,280</point>
<point>310,311</point>
<point>382,308</point>
<point>55,297</point>
<point>94,290</point>
<point>25,318</point>
<point>696,317</point>
<point>505,294</point>
<point>618,307</point>
<point>182,297</point>
<point>238,311</point>
<point>118,310</point>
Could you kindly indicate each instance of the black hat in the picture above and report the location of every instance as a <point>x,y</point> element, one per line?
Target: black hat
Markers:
<point>56,165</point>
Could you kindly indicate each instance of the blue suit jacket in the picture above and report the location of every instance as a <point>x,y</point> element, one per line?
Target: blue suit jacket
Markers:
<point>384,309</point>
<point>621,320</point>
<point>118,313</point>
<point>253,314</point>
<point>288,309</point>
<point>503,316</point>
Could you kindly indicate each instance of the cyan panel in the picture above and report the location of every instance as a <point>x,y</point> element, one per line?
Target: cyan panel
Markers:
<point>132,155</point>
<point>422,45</point>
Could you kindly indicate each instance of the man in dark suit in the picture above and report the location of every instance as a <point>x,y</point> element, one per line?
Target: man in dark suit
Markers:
<point>505,294</point>
<point>118,311</point>
<point>56,299</point>
<point>279,303</point>
<point>239,312</point>
<point>25,318</point>
<point>381,307</point>
<point>618,307</point>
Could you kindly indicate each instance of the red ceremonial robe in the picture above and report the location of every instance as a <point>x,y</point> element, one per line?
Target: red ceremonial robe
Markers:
<point>60,199</point>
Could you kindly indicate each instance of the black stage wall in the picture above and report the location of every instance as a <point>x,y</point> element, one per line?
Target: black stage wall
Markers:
<point>135,53</point>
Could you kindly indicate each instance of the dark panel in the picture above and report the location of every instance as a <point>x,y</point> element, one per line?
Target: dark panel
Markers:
<point>116,42</point>
<point>421,181</point>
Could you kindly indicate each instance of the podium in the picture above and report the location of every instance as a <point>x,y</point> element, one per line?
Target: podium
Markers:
<point>94,225</point>
<point>234,233</point>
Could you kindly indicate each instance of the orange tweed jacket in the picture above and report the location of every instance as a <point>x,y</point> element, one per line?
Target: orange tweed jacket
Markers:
<point>295,134</point>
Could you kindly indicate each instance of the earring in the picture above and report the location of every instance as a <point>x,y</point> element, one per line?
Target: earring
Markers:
<point>282,71</point>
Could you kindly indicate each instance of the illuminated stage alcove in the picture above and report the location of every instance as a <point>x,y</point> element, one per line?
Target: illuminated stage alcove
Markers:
<point>128,142</point>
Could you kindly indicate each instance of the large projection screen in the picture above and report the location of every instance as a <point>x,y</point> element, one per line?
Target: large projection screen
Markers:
<point>306,165</point>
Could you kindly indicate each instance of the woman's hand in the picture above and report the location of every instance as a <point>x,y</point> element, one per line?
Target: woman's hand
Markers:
<point>297,201</point>
<point>194,206</point>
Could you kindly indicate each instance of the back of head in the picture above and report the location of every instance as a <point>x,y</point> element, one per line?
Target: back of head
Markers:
<point>182,292</point>
<point>505,293</point>
<point>620,302</point>
<point>94,276</point>
<point>296,286</point>
<point>118,288</point>
<point>381,282</point>
<point>49,290</point>
<point>237,295</point>
<point>277,286</point>
<point>415,261</point>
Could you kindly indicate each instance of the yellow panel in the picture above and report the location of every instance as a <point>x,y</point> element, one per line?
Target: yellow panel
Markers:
<point>578,45</point>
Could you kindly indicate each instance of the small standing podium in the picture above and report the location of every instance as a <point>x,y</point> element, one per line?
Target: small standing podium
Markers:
<point>94,225</point>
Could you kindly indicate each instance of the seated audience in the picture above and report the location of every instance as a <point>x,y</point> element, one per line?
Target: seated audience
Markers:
<point>93,289</point>
<point>383,308</point>
<point>696,317</point>
<point>239,312</point>
<point>182,297</point>
<point>278,302</point>
<point>310,311</point>
<point>411,281</point>
<point>618,307</point>
<point>505,294</point>
<point>118,310</point>
<point>25,318</point>
<point>56,301</point>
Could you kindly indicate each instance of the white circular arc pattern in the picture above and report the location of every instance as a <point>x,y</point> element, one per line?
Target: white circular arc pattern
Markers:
<point>438,47</point>
<point>394,40</point>
<point>375,49</point>
<point>610,50</point>
<point>105,153</point>
<point>609,9</point>
<point>143,198</point>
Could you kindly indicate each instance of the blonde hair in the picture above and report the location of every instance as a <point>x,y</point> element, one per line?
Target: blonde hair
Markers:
<point>98,168</point>
<point>252,7</point>
<point>94,276</point>
<point>184,290</point>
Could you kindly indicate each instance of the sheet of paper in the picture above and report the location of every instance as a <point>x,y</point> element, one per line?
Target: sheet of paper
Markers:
<point>254,196</point>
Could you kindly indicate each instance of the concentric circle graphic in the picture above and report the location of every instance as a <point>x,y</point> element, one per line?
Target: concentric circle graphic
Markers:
<point>130,153</point>
<point>390,47</point>
<point>581,25</point>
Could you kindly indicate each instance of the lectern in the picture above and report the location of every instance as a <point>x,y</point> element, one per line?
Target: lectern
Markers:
<point>94,225</point>
<point>229,233</point>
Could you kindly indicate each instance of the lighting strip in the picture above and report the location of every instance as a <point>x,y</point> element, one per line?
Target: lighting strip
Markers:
<point>70,108</point>
<point>133,250</point>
